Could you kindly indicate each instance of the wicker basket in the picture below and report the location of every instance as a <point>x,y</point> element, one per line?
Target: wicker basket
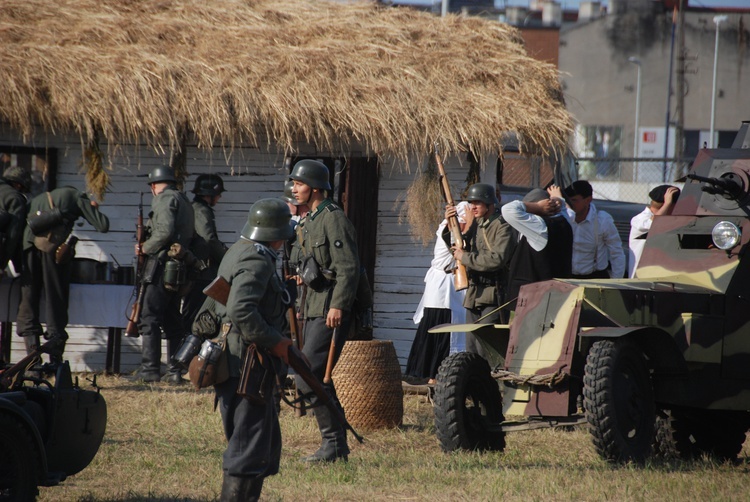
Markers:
<point>368,384</point>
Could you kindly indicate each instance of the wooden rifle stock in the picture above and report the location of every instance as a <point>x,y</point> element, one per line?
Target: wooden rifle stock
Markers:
<point>460,278</point>
<point>131,330</point>
<point>331,355</point>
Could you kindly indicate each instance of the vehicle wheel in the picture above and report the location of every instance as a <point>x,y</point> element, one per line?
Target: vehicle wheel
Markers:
<point>619,401</point>
<point>18,462</point>
<point>468,405</point>
<point>688,433</point>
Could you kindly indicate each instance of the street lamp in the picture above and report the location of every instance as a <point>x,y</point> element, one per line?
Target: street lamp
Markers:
<point>637,62</point>
<point>717,20</point>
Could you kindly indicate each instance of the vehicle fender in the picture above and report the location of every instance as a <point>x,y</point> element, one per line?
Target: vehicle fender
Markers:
<point>9,405</point>
<point>657,344</point>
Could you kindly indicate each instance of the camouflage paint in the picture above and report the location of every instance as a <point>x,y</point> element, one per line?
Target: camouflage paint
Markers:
<point>688,308</point>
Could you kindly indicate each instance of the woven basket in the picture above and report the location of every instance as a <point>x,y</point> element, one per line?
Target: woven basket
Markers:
<point>368,384</point>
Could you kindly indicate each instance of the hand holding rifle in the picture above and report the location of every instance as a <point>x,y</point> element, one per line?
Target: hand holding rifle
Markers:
<point>460,279</point>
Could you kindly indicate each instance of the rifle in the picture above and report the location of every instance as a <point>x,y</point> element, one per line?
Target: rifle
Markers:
<point>460,279</point>
<point>219,291</point>
<point>135,314</point>
<point>294,330</point>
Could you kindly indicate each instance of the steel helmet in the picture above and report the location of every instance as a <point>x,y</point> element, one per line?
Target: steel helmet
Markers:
<point>161,174</point>
<point>267,221</point>
<point>483,192</point>
<point>312,173</point>
<point>288,195</point>
<point>18,175</point>
<point>208,184</point>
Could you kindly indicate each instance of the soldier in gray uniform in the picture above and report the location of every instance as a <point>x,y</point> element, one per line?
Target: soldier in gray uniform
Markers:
<point>15,182</point>
<point>171,221</point>
<point>256,308</point>
<point>206,244</point>
<point>43,271</point>
<point>327,243</point>
<point>491,247</point>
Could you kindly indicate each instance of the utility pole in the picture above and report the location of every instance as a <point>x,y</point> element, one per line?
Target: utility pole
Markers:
<point>679,127</point>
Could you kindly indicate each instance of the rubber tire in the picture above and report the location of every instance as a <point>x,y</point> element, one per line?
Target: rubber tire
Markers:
<point>686,433</point>
<point>19,462</point>
<point>619,401</point>
<point>467,403</point>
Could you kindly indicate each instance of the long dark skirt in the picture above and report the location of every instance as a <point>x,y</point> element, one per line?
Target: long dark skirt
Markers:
<point>428,350</point>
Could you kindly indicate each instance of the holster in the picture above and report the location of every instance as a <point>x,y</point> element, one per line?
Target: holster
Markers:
<point>256,376</point>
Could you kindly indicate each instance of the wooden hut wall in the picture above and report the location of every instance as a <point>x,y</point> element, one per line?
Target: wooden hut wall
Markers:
<point>249,174</point>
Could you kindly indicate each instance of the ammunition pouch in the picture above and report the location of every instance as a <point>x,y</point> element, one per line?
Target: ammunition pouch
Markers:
<point>256,377</point>
<point>316,278</point>
<point>149,270</point>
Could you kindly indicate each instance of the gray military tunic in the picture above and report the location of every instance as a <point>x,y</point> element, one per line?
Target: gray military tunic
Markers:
<point>257,310</point>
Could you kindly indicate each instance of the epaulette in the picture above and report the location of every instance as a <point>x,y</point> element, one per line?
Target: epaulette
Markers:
<point>332,207</point>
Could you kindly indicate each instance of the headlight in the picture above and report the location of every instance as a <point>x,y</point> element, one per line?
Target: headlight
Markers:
<point>726,235</point>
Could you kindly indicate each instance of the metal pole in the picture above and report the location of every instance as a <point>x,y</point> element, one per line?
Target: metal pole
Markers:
<point>636,62</point>
<point>669,96</point>
<point>717,20</point>
<point>444,8</point>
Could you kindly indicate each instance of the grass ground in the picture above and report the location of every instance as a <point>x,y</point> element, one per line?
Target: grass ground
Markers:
<point>165,444</point>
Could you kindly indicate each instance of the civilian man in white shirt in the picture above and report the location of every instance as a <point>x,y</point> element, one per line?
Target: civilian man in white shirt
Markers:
<point>663,199</point>
<point>597,248</point>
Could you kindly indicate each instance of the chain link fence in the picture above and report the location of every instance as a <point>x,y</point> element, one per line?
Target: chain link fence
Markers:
<point>630,179</point>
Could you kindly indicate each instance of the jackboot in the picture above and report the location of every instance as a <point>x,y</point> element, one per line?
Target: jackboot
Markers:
<point>32,343</point>
<point>149,371</point>
<point>174,370</point>
<point>334,446</point>
<point>240,489</point>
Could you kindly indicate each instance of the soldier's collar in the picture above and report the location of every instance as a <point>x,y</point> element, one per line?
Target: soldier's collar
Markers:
<point>323,204</point>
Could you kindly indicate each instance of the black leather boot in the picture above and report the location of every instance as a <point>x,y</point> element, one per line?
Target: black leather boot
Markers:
<point>333,435</point>
<point>149,371</point>
<point>174,370</point>
<point>240,489</point>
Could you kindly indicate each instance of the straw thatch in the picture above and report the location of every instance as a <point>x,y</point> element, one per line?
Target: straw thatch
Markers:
<point>394,80</point>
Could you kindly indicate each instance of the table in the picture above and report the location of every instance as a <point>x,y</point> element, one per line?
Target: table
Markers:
<point>97,305</point>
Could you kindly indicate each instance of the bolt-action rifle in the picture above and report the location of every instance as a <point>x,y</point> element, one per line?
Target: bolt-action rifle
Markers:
<point>219,291</point>
<point>460,278</point>
<point>294,329</point>
<point>135,314</point>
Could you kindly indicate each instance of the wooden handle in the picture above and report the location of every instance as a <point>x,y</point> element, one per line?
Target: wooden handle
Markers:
<point>331,354</point>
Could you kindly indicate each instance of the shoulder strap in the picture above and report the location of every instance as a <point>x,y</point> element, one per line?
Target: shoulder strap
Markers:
<point>49,198</point>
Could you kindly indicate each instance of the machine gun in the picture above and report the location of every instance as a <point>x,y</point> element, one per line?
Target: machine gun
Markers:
<point>135,314</point>
<point>729,186</point>
<point>8,377</point>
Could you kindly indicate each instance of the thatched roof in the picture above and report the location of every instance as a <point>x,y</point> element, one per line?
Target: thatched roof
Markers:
<point>249,71</point>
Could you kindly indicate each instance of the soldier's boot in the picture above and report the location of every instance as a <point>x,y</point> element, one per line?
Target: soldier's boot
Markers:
<point>149,371</point>
<point>32,343</point>
<point>58,347</point>
<point>240,489</point>
<point>333,435</point>
<point>174,370</point>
